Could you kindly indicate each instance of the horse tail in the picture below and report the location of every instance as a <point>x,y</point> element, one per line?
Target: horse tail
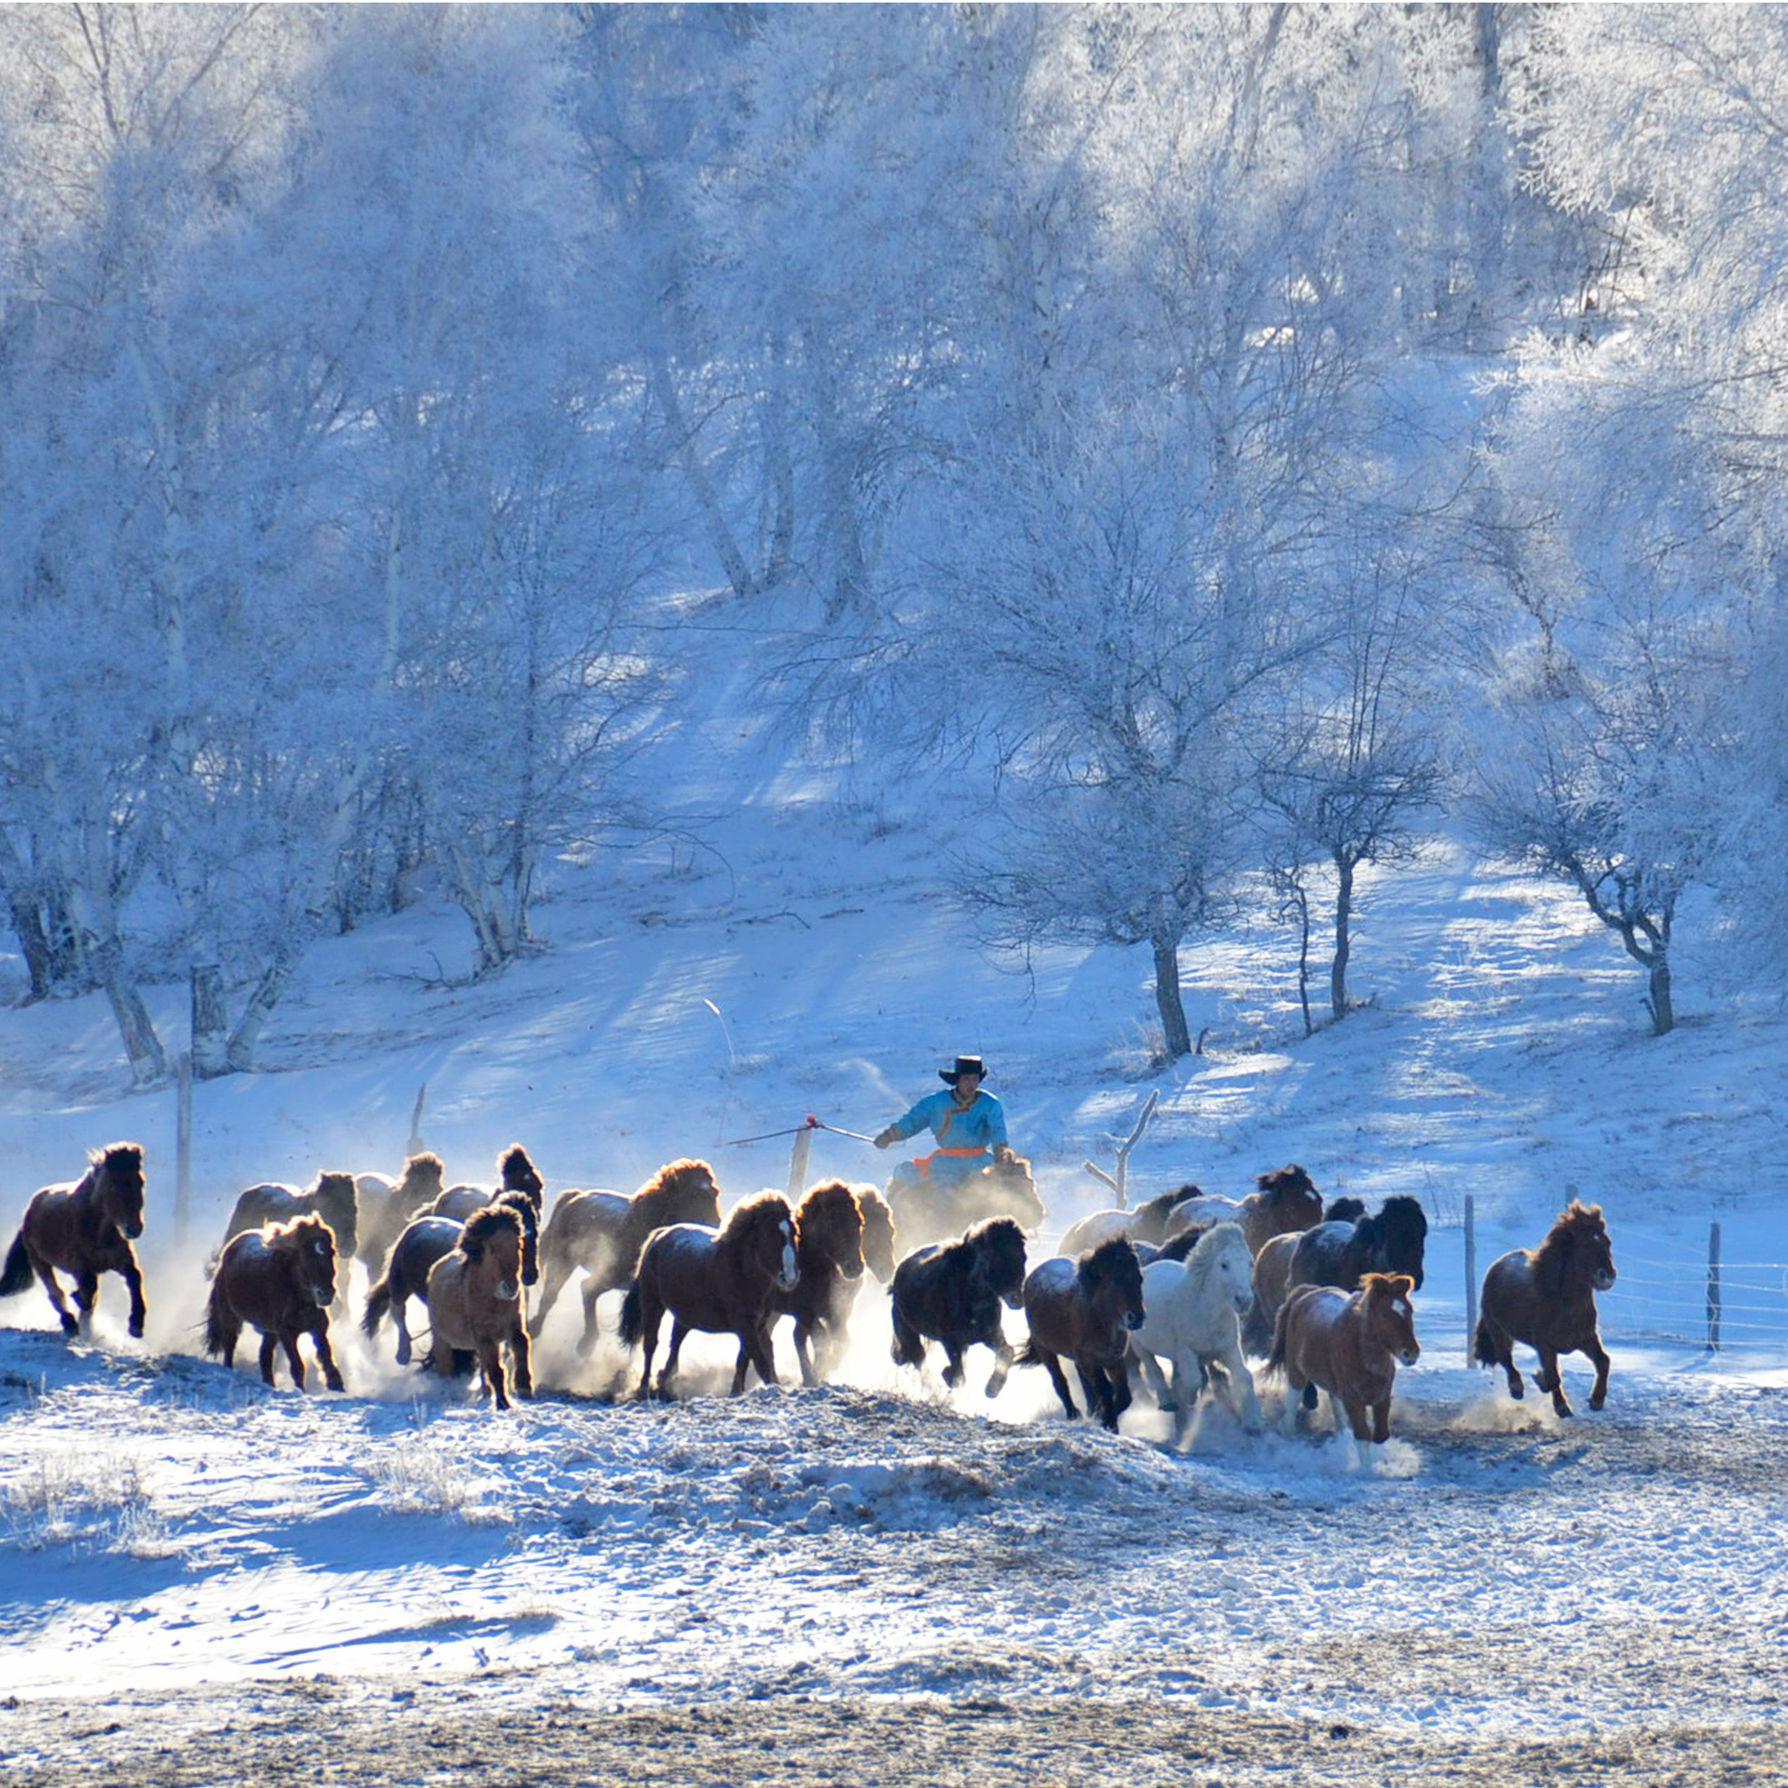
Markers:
<point>1483,1344</point>
<point>909,1345</point>
<point>631,1315</point>
<point>1257,1328</point>
<point>1281,1331</point>
<point>214,1320</point>
<point>378,1306</point>
<point>18,1268</point>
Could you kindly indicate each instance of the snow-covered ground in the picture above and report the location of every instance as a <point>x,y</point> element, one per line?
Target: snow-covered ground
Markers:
<point>166,1524</point>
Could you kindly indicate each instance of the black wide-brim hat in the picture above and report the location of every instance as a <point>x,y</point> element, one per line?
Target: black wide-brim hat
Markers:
<point>965,1064</point>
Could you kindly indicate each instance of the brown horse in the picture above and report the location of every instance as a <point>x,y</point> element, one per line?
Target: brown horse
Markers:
<point>603,1232</point>
<point>279,1279</point>
<point>332,1196</point>
<point>720,1281</point>
<point>1086,1309</point>
<point>829,1263</point>
<point>1349,1345</point>
<point>475,1301</point>
<point>878,1233</point>
<point>515,1173</point>
<point>936,1207</point>
<point>425,1240</point>
<point>952,1294</point>
<point>1546,1298</point>
<point>1283,1202</point>
<point>385,1205</point>
<point>84,1229</point>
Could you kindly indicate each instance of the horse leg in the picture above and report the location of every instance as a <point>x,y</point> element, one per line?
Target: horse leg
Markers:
<point>47,1273</point>
<point>268,1344</point>
<point>1361,1420</point>
<point>1057,1377</point>
<point>1598,1356</point>
<point>586,1342</point>
<point>1002,1366</point>
<point>132,1275</point>
<point>1551,1379</point>
<point>1241,1386</point>
<point>490,1358</point>
<point>1156,1379</point>
<point>1338,1414</point>
<point>741,1366</point>
<point>909,1344</point>
<point>289,1340</point>
<point>651,1313</point>
<point>1092,1390</point>
<point>86,1295</point>
<point>521,1359</point>
<point>763,1354</point>
<point>803,1350</point>
<point>679,1333</point>
<point>555,1272</point>
<point>229,1332</point>
<point>400,1302</point>
<point>326,1354</point>
<point>1117,1389</point>
<point>1295,1387</point>
<point>1503,1354</point>
<point>953,1371</point>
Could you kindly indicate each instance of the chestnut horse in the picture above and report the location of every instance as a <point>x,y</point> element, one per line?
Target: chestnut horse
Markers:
<point>84,1229</point>
<point>332,1196</point>
<point>722,1282</point>
<point>1282,1203</point>
<point>1545,1297</point>
<point>475,1299</point>
<point>426,1240</point>
<point>515,1173</point>
<point>385,1205</point>
<point>279,1279</point>
<point>952,1294</point>
<point>828,1264</point>
<point>1086,1309</point>
<point>1349,1345</point>
<point>603,1232</point>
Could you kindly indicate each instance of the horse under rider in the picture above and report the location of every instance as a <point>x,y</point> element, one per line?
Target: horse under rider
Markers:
<point>970,1127</point>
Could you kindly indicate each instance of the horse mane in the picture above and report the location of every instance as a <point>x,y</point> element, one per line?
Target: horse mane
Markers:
<point>513,1198</point>
<point>1180,1194</point>
<point>332,1185</point>
<point>424,1163</point>
<point>116,1155</point>
<point>993,1229</point>
<point>1551,1260</point>
<point>296,1231</point>
<point>874,1207</point>
<point>1185,1242</point>
<point>483,1227</point>
<point>1202,1257</point>
<point>1401,1214</point>
<point>1282,1182</point>
<point>511,1164</point>
<point>827,1193</point>
<point>1098,1264</point>
<point>1159,1206</point>
<point>662,1186</point>
<point>1344,1210</point>
<point>752,1212</point>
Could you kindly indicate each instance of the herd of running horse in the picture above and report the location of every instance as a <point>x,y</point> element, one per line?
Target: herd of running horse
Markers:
<point>1322,1292</point>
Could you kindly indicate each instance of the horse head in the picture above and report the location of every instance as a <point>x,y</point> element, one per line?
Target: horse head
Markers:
<point>878,1233</point>
<point>1292,1196</point>
<point>1582,1230</point>
<point>998,1245</point>
<point>492,1243</point>
<point>517,1199</point>
<point>830,1223</point>
<point>1344,1210</point>
<point>118,1183</point>
<point>1390,1318</point>
<point>763,1233</point>
<point>516,1173</point>
<point>337,1201</point>
<point>309,1243</point>
<point>1110,1279</point>
<point>1221,1258</point>
<point>688,1191</point>
<point>1402,1232</point>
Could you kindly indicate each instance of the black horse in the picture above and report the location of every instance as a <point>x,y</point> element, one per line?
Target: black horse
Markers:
<point>952,1292</point>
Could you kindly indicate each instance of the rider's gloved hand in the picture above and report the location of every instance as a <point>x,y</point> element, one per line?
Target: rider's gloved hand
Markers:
<point>885,1139</point>
<point>1003,1154</point>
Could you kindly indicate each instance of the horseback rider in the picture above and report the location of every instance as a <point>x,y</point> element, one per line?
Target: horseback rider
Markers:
<point>969,1125</point>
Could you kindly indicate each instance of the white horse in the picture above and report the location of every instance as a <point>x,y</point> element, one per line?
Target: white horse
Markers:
<point>1190,1317</point>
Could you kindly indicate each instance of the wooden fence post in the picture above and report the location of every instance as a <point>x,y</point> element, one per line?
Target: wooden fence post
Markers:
<point>414,1145</point>
<point>1713,1288</point>
<point>182,1147</point>
<point>797,1163</point>
<point>1471,1274</point>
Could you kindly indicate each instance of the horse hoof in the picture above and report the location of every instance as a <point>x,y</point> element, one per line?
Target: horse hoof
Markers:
<point>1597,1402</point>
<point>1563,1411</point>
<point>1517,1391</point>
<point>136,1327</point>
<point>70,1327</point>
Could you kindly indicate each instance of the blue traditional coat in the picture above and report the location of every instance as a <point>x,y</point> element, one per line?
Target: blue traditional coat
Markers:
<point>965,1138</point>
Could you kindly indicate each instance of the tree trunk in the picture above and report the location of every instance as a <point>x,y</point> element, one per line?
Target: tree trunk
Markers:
<point>136,1030</point>
<point>1343,920</point>
<point>210,1033</point>
<point>1663,1014</point>
<point>34,945</point>
<point>850,575</point>
<point>1303,901</point>
<point>1174,1031</point>
<point>779,472</point>
<point>239,1057</point>
<point>720,534</point>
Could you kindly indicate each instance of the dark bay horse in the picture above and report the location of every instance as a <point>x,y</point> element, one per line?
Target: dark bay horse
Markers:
<point>1545,1297</point>
<point>603,1233</point>
<point>515,1173</point>
<point>84,1229</point>
<point>1282,1203</point>
<point>1086,1309</point>
<point>332,1196</point>
<point>828,1264</point>
<point>475,1298</point>
<point>425,1240</point>
<point>279,1279</point>
<point>951,1293</point>
<point>936,1207</point>
<point>722,1282</point>
<point>1349,1345</point>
